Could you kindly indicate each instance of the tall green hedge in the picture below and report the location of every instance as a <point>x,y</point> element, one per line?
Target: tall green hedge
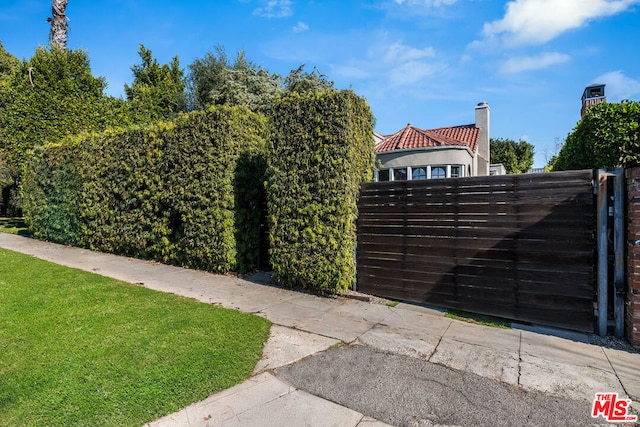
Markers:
<point>51,189</point>
<point>186,192</point>
<point>214,208</point>
<point>608,135</point>
<point>123,191</point>
<point>320,151</point>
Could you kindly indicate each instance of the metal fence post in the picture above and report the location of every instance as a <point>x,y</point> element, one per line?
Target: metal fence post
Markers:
<point>602,213</point>
<point>618,245</point>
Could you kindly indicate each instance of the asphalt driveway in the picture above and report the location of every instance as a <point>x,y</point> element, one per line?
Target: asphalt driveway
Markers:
<point>407,391</point>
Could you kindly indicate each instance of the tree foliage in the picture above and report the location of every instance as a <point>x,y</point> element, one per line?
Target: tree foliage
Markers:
<point>52,95</point>
<point>157,91</point>
<point>608,135</point>
<point>517,157</point>
<point>300,81</point>
<point>9,64</point>
<point>205,76</point>
<point>215,80</point>
<point>9,173</point>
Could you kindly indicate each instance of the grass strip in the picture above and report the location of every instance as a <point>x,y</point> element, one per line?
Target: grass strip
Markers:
<point>79,349</point>
<point>478,319</point>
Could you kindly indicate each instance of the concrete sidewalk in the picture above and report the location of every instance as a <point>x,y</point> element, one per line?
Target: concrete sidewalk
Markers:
<point>306,324</point>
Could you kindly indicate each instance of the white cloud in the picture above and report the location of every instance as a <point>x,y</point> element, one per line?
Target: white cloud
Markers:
<point>392,65</point>
<point>426,3</point>
<point>275,9</point>
<point>619,86</point>
<point>538,21</point>
<point>300,27</point>
<point>399,52</point>
<point>535,62</point>
<point>412,72</point>
<point>405,65</point>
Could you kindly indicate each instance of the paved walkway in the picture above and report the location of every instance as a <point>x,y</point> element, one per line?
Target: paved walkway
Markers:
<point>305,324</point>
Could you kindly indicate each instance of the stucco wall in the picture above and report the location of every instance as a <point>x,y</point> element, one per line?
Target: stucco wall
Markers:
<point>414,158</point>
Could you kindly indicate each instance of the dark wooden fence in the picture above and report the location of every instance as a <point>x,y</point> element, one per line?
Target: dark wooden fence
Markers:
<point>516,246</point>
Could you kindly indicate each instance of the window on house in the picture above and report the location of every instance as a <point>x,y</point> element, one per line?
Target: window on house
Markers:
<point>456,171</point>
<point>593,93</point>
<point>383,175</point>
<point>419,173</point>
<point>400,174</point>
<point>438,172</point>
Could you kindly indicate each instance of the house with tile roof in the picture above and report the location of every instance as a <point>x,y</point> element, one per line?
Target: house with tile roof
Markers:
<point>449,152</point>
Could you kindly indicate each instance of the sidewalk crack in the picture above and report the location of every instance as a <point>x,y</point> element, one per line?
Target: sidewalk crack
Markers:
<point>614,371</point>
<point>373,326</point>
<point>519,358</point>
<point>439,341</point>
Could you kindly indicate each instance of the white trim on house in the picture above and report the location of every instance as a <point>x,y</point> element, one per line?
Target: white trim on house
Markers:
<point>444,147</point>
<point>428,168</point>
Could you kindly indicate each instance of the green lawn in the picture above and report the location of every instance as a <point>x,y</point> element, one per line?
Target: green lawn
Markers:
<point>13,226</point>
<point>81,349</point>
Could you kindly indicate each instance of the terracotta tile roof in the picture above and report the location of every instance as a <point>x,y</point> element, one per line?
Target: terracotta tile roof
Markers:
<point>413,137</point>
<point>466,133</point>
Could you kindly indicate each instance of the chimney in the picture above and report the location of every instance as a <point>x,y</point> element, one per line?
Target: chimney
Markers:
<point>482,122</point>
<point>592,95</point>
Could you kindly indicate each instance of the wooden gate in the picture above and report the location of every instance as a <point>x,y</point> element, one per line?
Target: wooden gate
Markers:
<point>515,246</point>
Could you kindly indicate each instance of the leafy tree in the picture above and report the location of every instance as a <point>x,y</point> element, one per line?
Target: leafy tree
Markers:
<point>299,81</point>
<point>549,166</point>
<point>157,91</point>
<point>204,76</point>
<point>8,66</point>
<point>50,96</point>
<point>607,136</point>
<point>246,84</point>
<point>517,157</point>
<point>214,80</point>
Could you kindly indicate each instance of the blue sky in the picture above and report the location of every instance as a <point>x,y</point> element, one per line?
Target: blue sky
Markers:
<point>424,62</point>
